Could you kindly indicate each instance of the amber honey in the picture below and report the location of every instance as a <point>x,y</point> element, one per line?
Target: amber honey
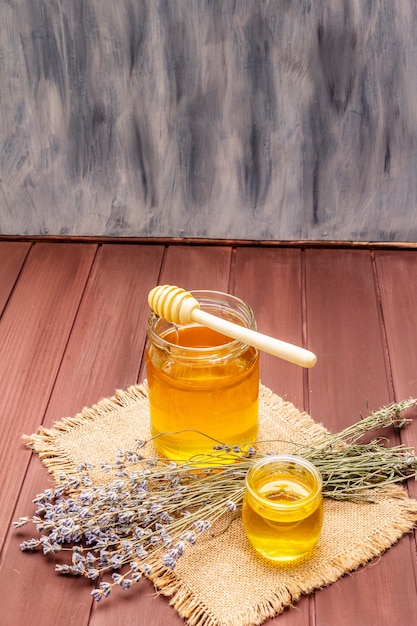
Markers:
<point>282,509</point>
<point>202,383</point>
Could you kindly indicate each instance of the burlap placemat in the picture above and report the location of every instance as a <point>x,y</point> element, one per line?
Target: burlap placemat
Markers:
<point>221,581</point>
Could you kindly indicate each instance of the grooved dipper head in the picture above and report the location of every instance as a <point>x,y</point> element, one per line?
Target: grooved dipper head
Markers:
<point>172,303</point>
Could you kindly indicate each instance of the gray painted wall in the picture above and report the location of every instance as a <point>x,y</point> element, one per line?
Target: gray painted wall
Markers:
<point>289,119</point>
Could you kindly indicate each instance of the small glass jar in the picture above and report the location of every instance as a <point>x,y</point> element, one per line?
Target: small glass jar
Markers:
<point>282,509</point>
<point>201,383</point>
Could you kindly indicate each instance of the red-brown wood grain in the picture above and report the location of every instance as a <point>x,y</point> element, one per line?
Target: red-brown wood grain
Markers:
<point>271,282</point>
<point>195,267</point>
<point>12,257</point>
<point>73,330</point>
<point>34,331</point>
<point>344,319</point>
<point>191,268</point>
<point>397,280</point>
<point>103,352</point>
<point>106,344</point>
<point>344,325</point>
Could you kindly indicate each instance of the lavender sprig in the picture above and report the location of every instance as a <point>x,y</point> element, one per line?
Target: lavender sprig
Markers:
<point>152,509</point>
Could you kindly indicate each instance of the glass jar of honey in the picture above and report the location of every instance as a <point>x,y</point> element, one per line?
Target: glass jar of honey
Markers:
<point>203,386</point>
<point>282,510</point>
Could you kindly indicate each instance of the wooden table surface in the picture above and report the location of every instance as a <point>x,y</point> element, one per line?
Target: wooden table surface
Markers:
<point>72,330</point>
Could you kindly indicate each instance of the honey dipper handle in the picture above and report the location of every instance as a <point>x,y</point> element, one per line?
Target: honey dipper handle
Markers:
<point>282,349</point>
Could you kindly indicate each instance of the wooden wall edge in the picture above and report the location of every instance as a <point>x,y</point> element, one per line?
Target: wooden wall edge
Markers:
<point>191,241</point>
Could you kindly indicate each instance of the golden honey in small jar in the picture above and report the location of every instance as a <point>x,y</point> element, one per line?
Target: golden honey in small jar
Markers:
<point>201,383</point>
<point>282,510</point>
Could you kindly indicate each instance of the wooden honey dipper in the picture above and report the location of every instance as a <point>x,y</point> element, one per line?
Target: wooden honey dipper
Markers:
<point>178,306</point>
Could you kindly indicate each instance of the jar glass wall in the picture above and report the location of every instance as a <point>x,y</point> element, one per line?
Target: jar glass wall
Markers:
<point>282,509</point>
<point>201,383</point>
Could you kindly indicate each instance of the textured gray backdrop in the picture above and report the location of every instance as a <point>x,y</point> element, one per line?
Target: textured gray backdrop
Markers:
<point>288,119</point>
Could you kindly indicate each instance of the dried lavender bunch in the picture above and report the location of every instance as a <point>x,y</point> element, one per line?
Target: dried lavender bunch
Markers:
<point>152,509</point>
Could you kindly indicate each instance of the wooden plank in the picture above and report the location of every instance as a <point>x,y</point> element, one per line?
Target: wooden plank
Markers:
<point>196,267</point>
<point>383,593</point>
<point>104,352</point>
<point>397,279</point>
<point>270,281</point>
<point>344,324</point>
<point>33,593</point>
<point>34,330</point>
<point>107,341</point>
<point>345,331</point>
<point>191,267</point>
<point>12,256</point>
<point>338,316</point>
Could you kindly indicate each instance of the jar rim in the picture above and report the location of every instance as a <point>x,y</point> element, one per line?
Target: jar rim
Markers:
<point>206,296</point>
<point>290,459</point>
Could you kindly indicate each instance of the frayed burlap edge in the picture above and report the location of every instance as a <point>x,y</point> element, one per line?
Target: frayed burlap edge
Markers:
<point>45,441</point>
<point>196,613</point>
<point>46,444</point>
<point>54,457</point>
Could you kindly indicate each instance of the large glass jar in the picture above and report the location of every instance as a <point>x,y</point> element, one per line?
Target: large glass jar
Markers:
<point>203,386</point>
<point>282,509</point>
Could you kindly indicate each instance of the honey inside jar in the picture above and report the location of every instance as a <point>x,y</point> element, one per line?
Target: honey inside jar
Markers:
<point>202,384</point>
<point>283,508</point>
